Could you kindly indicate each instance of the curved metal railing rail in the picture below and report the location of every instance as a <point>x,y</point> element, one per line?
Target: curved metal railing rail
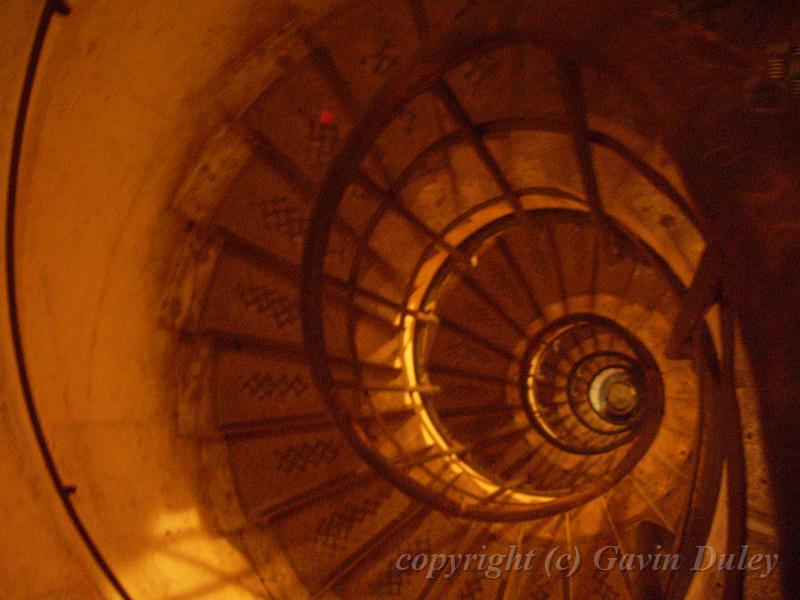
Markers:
<point>412,449</point>
<point>51,8</point>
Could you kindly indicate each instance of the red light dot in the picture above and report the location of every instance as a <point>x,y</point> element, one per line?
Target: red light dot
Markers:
<point>326,117</point>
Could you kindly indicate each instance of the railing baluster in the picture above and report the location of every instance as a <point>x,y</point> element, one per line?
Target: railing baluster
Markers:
<point>462,450</point>
<point>392,202</point>
<point>477,338</point>
<point>512,262</point>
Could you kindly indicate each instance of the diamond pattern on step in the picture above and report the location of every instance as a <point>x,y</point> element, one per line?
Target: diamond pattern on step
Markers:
<point>385,39</point>
<point>392,582</point>
<point>261,386</point>
<point>333,532</point>
<point>298,457</point>
<point>282,215</point>
<point>264,209</point>
<point>280,307</point>
<point>254,385</point>
<point>252,296</point>
<point>302,117</point>
<point>272,468</point>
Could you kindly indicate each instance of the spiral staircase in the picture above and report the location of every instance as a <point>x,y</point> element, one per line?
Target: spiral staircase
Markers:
<point>442,287</point>
<point>426,301</point>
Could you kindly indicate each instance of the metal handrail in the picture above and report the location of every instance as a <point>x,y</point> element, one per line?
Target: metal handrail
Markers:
<point>64,492</point>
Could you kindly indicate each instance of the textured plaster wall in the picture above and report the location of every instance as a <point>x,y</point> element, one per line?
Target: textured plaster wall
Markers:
<point>121,99</point>
<point>40,555</point>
